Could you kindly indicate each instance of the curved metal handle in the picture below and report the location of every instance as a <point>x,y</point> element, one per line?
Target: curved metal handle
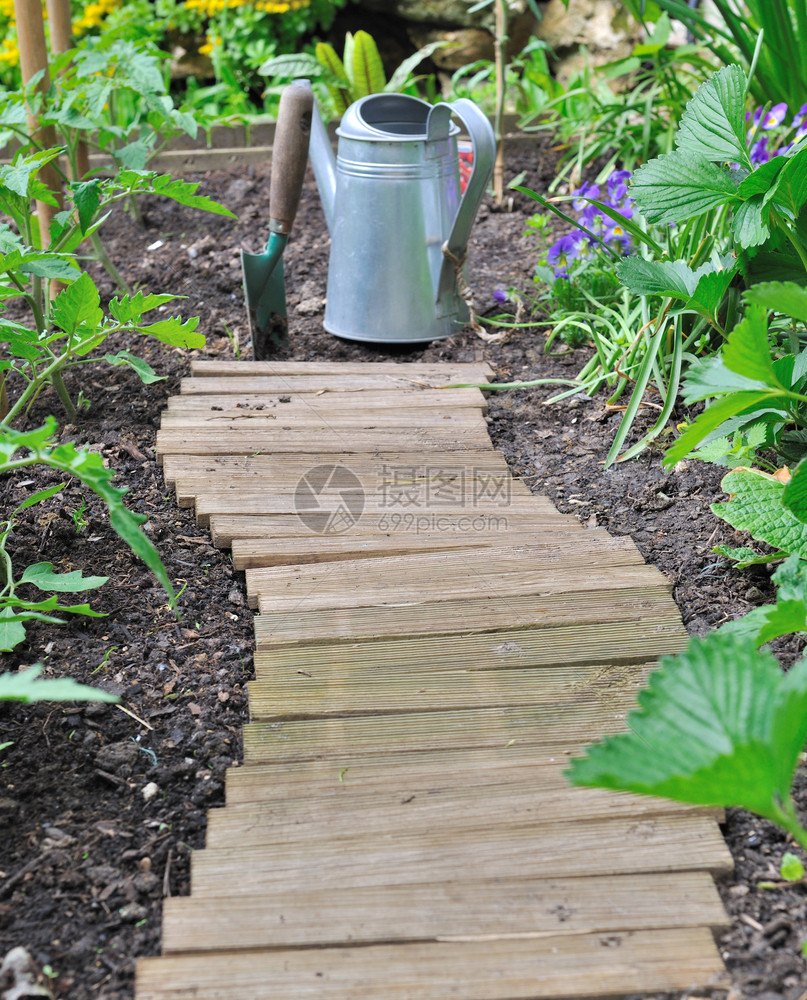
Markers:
<point>484,142</point>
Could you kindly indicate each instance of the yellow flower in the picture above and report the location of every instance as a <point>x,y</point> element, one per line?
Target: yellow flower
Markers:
<point>9,54</point>
<point>211,43</point>
<point>7,9</point>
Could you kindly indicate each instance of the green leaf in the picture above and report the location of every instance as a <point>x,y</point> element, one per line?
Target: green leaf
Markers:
<point>718,725</point>
<point>757,505</point>
<point>40,495</point>
<point>131,307</point>
<point>792,868</point>
<point>711,418</point>
<point>51,266</point>
<point>647,277</point>
<point>78,305</point>
<point>291,66</point>
<point>183,192</point>
<point>748,226</point>
<point>790,191</point>
<point>675,187</point>
<point>41,575</point>
<point>710,291</point>
<point>794,495</point>
<point>368,71</point>
<point>747,350</point>
<point>145,372</point>
<point>713,124</point>
<point>86,198</point>
<point>24,686</point>
<point>12,633</point>
<point>175,332</point>
<point>741,556</point>
<point>761,180</point>
<point>780,296</point>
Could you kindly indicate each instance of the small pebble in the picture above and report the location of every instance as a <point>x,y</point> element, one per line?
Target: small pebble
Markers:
<point>150,791</point>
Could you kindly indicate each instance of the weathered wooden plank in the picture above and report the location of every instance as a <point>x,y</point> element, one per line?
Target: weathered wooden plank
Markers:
<point>622,845</point>
<point>483,495</point>
<point>439,371</point>
<point>469,572</point>
<point>323,439</point>
<point>460,420</point>
<point>276,383</point>
<point>480,807</point>
<point>413,773</point>
<point>578,968</point>
<point>478,674</point>
<point>484,614</point>
<point>518,907</point>
<point>253,553</point>
<point>334,400</point>
<point>376,467</point>
<point>558,729</point>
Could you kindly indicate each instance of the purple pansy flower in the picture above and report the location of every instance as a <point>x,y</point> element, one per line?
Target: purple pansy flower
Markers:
<point>500,295</point>
<point>563,250</point>
<point>775,116</point>
<point>759,152</point>
<point>587,191</point>
<point>798,118</point>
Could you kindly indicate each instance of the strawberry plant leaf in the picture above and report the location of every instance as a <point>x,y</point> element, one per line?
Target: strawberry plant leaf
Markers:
<point>757,505</point>
<point>747,350</point>
<point>794,495</point>
<point>780,296</point>
<point>678,186</point>
<point>743,557</point>
<point>748,225</point>
<point>711,418</point>
<point>717,725</point>
<point>41,575</point>
<point>713,123</point>
<point>647,277</point>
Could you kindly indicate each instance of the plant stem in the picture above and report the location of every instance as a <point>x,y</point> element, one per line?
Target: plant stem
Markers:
<point>104,259</point>
<point>501,71</point>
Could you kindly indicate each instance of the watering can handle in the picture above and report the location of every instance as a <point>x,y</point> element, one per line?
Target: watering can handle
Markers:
<point>484,152</point>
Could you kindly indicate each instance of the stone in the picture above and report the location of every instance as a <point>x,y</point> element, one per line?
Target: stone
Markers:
<point>602,26</point>
<point>115,756</point>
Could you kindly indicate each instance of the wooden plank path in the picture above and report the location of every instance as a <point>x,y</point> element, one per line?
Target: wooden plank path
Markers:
<point>433,643</point>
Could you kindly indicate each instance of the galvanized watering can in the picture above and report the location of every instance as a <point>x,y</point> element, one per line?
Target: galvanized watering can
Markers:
<point>398,220</point>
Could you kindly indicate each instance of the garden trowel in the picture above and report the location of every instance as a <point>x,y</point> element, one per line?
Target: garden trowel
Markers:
<point>264,287</point>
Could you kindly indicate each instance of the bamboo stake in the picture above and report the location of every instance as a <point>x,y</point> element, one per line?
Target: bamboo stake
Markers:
<point>501,87</point>
<point>61,39</point>
<point>33,58</point>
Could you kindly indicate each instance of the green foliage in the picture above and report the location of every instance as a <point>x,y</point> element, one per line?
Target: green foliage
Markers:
<point>24,686</point>
<point>718,725</point>
<point>339,81</point>
<point>780,73</point>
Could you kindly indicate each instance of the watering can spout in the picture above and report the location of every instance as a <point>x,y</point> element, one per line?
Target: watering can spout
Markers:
<point>323,161</point>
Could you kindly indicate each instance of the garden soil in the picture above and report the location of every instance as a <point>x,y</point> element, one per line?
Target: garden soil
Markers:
<point>102,805</point>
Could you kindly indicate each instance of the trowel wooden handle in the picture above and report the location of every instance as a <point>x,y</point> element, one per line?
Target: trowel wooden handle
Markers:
<point>289,155</point>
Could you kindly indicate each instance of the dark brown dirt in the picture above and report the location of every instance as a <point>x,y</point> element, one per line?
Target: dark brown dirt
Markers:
<point>86,857</point>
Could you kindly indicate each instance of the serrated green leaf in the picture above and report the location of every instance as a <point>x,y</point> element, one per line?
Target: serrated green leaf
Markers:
<point>790,190</point>
<point>9,240</point>
<point>24,686</point>
<point>791,868</point>
<point>675,187</point>
<point>761,180</point>
<point>718,725</point>
<point>747,351</point>
<point>12,633</point>
<point>183,192</point>
<point>794,496</point>
<point>131,307</point>
<point>780,296</point>
<point>741,556</point>
<point>144,371</point>
<point>757,505</point>
<point>78,305</point>
<point>291,66</point>
<point>175,332</point>
<point>710,292</point>
<point>51,266</point>
<point>748,225</point>
<point>713,122</point>
<point>648,277</point>
<point>42,576</point>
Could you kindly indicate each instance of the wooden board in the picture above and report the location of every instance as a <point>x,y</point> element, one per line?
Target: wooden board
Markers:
<point>469,573</point>
<point>526,909</point>
<point>328,402</point>
<point>579,967</point>
<point>374,466</point>
<point>274,383</point>
<point>438,372</point>
<point>323,439</point>
<point>452,617</point>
